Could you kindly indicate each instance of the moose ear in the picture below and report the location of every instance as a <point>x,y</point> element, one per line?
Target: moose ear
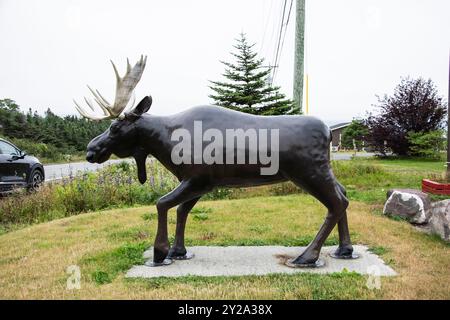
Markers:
<point>142,107</point>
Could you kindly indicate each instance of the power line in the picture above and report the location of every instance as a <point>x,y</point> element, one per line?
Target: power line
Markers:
<point>266,24</point>
<point>280,44</point>
<point>273,21</point>
<point>279,37</point>
<point>285,28</point>
<point>289,13</point>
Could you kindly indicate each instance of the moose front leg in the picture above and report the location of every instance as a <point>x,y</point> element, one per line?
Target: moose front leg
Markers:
<point>186,191</point>
<point>178,250</point>
<point>161,245</point>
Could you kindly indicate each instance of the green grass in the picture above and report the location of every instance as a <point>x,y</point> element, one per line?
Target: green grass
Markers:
<point>337,286</point>
<point>107,265</point>
<point>200,213</point>
<point>150,216</point>
<point>197,210</point>
<point>379,250</point>
<point>368,180</point>
<point>412,164</point>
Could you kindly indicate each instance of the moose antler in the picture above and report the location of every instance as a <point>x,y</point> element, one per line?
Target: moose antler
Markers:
<point>124,91</point>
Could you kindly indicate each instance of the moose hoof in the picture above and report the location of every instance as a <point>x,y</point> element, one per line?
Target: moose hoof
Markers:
<point>179,254</point>
<point>187,256</point>
<point>165,262</point>
<point>292,263</point>
<point>344,253</point>
<point>344,256</point>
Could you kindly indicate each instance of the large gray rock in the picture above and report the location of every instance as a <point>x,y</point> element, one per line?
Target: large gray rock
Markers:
<point>440,219</point>
<point>412,205</point>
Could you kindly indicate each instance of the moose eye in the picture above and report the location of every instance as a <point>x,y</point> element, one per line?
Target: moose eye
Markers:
<point>114,129</point>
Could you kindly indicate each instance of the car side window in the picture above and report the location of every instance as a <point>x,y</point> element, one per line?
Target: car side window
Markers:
<point>6,148</point>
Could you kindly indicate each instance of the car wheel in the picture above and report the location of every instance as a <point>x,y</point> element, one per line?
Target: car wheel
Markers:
<point>36,180</point>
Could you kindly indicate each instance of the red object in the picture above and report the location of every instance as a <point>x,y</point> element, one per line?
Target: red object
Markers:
<point>435,187</point>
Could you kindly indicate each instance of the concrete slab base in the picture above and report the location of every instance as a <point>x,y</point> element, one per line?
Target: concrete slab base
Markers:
<point>261,260</point>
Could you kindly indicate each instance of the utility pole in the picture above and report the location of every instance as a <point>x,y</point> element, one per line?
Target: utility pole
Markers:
<point>448,123</point>
<point>299,53</point>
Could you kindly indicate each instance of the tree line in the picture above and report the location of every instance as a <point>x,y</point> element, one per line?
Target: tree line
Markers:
<point>49,135</point>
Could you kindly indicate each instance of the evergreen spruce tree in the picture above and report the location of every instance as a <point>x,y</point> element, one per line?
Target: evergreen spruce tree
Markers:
<point>248,89</point>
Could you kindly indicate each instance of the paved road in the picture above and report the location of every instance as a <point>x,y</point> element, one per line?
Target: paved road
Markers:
<point>58,171</point>
<point>349,155</point>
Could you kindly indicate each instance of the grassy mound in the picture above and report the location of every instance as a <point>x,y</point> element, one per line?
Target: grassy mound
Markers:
<point>34,260</point>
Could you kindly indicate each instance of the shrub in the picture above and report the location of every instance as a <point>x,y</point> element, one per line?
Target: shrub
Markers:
<point>28,208</point>
<point>114,186</point>
<point>427,145</point>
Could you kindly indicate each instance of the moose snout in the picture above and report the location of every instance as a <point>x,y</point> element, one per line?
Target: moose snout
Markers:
<point>90,156</point>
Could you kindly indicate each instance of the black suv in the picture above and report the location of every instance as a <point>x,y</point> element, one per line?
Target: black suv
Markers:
<point>17,169</point>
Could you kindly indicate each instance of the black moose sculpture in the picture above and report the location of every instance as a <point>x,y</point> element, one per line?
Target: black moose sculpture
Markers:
<point>302,155</point>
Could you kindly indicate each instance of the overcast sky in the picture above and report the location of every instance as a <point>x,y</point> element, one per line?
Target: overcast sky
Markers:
<point>51,49</point>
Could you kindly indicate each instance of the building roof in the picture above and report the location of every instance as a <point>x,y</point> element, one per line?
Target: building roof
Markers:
<point>340,125</point>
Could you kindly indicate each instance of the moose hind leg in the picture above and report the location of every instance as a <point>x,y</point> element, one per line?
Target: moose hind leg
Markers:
<point>324,188</point>
<point>345,249</point>
<point>178,250</point>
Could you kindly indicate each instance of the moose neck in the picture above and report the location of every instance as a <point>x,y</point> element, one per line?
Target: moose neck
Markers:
<point>153,138</point>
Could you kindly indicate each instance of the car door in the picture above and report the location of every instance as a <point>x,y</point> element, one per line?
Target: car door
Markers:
<point>13,168</point>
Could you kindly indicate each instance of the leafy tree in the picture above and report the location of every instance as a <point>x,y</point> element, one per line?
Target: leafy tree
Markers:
<point>427,145</point>
<point>356,131</point>
<point>414,107</point>
<point>247,89</point>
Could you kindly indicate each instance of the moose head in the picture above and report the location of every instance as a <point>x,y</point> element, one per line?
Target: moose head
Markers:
<point>120,137</point>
